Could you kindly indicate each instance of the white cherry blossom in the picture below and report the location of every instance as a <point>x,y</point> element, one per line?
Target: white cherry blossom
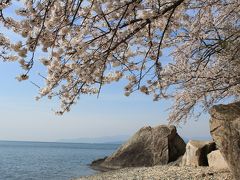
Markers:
<point>90,43</point>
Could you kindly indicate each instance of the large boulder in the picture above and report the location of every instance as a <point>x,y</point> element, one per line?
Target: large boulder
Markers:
<point>196,153</point>
<point>216,160</point>
<point>148,147</point>
<point>225,130</point>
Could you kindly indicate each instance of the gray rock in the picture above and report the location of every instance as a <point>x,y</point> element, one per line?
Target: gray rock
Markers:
<point>225,130</point>
<point>196,153</point>
<point>148,147</point>
<point>216,160</point>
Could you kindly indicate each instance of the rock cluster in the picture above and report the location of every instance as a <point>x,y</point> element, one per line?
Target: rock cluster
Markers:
<point>203,153</point>
<point>196,153</point>
<point>162,145</point>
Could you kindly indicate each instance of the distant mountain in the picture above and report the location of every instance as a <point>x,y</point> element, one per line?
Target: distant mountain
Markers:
<point>120,139</point>
<point>106,139</point>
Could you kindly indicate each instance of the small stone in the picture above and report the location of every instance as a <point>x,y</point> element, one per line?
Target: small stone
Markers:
<point>216,160</point>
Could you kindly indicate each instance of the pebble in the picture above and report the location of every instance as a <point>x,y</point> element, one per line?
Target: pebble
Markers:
<point>162,173</point>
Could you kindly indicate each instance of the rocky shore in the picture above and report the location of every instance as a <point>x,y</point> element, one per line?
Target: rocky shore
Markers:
<point>159,153</point>
<point>160,172</point>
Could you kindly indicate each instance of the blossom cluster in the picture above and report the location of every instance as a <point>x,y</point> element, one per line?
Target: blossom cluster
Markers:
<point>94,42</point>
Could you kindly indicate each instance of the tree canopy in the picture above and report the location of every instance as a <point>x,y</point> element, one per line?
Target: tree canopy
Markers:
<point>90,43</point>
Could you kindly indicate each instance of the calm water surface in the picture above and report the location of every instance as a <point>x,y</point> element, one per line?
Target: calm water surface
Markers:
<point>49,161</point>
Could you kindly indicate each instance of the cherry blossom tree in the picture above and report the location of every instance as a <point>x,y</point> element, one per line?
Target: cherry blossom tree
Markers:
<point>89,43</point>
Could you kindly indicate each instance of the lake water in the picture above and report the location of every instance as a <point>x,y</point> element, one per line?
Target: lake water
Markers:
<point>49,161</point>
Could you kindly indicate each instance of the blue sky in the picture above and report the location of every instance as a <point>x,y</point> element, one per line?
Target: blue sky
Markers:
<point>112,114</point>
